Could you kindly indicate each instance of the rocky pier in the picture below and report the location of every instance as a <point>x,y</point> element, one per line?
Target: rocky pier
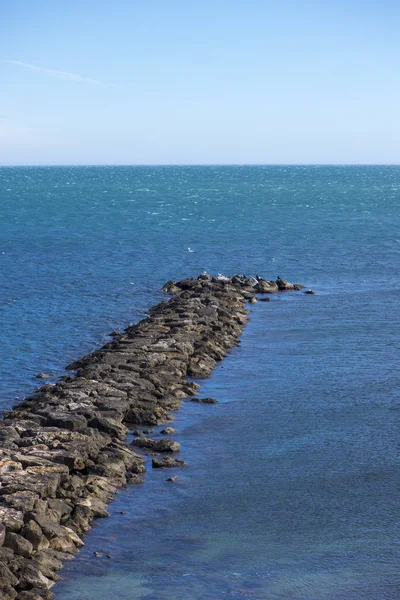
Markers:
<point>63,453</point>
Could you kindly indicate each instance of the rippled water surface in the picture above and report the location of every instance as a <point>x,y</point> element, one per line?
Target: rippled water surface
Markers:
<point>291,489</point>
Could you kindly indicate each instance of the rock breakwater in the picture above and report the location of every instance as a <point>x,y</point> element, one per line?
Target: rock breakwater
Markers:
<point>62,451</point>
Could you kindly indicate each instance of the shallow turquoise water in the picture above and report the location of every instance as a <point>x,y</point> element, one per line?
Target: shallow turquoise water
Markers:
<point>291,491</point>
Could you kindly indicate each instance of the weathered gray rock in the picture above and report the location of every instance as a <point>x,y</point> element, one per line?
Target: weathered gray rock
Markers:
<point>33,532</point>
<point>168,431</point>
<point>6,576</point>
<point>164,445</point>
<point>18,544</point>
<point>12,519</point>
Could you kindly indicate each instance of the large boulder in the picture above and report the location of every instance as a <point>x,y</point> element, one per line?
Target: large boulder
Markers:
<point>284,285</point>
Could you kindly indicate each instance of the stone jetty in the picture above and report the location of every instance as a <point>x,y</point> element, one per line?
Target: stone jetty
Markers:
<point>63,453</point>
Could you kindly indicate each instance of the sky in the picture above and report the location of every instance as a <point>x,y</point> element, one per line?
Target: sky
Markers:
<point>210,82</point>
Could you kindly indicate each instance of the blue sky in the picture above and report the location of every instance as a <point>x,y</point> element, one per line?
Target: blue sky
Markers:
<point>179,82</point>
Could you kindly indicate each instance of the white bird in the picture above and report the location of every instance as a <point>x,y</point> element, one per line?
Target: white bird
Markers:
<point>190,250</point>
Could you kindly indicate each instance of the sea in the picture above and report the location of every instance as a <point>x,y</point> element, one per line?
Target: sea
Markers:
<point>291,491</point>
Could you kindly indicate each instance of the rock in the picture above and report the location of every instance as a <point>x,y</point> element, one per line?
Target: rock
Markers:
<point>19,544</point>
<point>6,576</point>
<point>252,281</point>
<point>205,400</point>
<point>253,300</point>
<point>167,462</point>
<point>67,421</point>
<point>264,299</point>
<point>2,534</point>
<point>311,292</point>
<point>173,479</point>
<point>96,507</point>
<point>35,594</point>
<point>7,465</point>
<point>32,577</point>
<point>8,593</point>
<point>284,285</point>
<point>133,478</point>
<point>42,376</point>
<point>61,508</point>
<point>34,534</point>
<point>110,426</point>
<point>164,445</point>
<point>266,287</point>
<point>23,501</point>
<point>12,519</point>
<point>168,431</point>
<point>171,288</point>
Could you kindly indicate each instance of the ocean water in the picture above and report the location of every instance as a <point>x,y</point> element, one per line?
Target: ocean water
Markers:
<point>291,488</point>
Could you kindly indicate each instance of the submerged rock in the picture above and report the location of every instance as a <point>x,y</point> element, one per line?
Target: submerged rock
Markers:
<point>205,400</point>
<point>167,462</point>
<point>168,430</point>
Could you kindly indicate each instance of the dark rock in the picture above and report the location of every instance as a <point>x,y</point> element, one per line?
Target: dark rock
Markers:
<point>110,426</point>
<point>67,421</point>
<point>171,288</point>
<point>311,292</point>
<point>31,577</point>
<point>18,544</point>
<point>6,576</point>
<point>2,534</point>
<point>33,533</point>
<point>284,285</point>
<point>205,400</point>
<point>264,299</point>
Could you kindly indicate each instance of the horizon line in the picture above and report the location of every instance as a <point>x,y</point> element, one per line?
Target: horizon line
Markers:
<point>87,165</point>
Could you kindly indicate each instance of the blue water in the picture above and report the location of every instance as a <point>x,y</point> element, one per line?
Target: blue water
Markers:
<point>291,489</point>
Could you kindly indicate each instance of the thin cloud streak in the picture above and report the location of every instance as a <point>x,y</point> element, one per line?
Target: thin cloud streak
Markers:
<point>62,74</point>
